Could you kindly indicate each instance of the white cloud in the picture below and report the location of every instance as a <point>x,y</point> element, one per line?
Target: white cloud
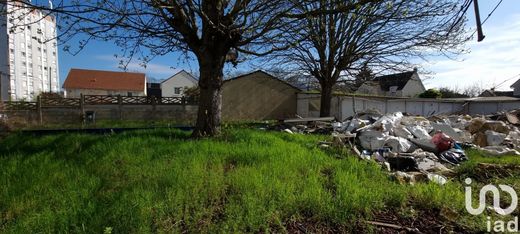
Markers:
<point>155,70</point>
<point>490,63</point>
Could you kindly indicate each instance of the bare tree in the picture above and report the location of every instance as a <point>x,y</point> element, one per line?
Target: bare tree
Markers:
<point>210,30</point>
<point>385,34</point>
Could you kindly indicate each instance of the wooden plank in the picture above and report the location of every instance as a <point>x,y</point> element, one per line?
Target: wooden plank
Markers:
<point>303,120</point>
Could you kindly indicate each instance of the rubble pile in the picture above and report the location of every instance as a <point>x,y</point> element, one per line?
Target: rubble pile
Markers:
<point>414,147</point>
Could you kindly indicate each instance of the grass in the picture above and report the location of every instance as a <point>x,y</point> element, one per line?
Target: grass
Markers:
<point>161,181</point>
<point>106,124</point>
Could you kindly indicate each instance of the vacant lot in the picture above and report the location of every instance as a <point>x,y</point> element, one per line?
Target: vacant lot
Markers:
<point>245,181</point>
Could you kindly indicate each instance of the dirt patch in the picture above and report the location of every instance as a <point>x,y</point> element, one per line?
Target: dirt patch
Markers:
<point>423,222</point>
<point>488,171</point>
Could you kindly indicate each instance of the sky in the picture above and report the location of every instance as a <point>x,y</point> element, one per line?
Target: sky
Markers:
<point>494,62</point>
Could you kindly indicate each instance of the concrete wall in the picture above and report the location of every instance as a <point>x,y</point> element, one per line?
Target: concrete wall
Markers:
<point>475,108</point>
<point>413,88</point>
<point>180,80</point>
<point>257,96</point>
<point>308,105</point>
<point>346,106</point>
<point>185,114</point>
<point>76,93</point>
<point>349,105</point>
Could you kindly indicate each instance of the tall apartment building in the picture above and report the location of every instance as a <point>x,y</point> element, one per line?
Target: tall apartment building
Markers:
<point>28,52</point>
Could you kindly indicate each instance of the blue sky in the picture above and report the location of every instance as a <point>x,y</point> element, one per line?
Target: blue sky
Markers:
<point>492,62</point>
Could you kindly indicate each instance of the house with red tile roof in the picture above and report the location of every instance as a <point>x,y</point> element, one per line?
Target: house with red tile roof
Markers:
<point>96,82</point>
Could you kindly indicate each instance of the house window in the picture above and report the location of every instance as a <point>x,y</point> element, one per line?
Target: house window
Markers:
<point>129,94</point>
<point>177,90</point>
<point>393,90</point>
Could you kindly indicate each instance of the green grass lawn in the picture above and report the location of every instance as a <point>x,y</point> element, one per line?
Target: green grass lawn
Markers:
<point>247,180</point>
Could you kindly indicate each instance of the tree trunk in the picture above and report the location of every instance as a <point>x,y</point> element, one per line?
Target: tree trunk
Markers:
<point>325,100</point>
<point>210,100</point>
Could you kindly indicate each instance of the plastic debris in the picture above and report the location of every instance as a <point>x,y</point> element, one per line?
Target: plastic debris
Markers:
<point>499,150</point>
<point>453,156</point>
<point>437,178</point>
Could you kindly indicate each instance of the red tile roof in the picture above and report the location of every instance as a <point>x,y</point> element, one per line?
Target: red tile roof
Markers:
<point>104,80</point>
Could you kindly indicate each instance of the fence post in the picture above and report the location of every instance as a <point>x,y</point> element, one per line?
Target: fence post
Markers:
<point>39,108</point>
<point>82,107</point>
<point>120,104</point>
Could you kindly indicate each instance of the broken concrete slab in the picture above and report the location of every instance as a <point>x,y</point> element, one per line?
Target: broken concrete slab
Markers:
<point>429,165</point>
<point>476,125</point>
<point>448,130</point>
<point>499,150</point>
<point>398,144</point>
<point>372,140</point>
<point>512,118</point>
<point>419,132</point>
<point>494,138</point>
<point>497,126</point>
<point>425,144</point>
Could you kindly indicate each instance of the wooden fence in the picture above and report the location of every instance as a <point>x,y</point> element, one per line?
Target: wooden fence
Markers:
<point>46,102</point>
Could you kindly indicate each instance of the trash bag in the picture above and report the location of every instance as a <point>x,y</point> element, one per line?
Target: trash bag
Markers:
<point>453,156</point>
<point>402,163</point>
<point>442,141</point>
<point>389,121</point>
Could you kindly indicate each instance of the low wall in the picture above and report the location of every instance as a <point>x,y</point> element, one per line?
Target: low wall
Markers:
<point>345,106</point>
<point>65,115</point>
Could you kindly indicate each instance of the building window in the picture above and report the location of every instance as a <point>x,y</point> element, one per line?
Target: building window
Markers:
<point>129,94</point>
<point>177,90</point>
<point>23,53</point>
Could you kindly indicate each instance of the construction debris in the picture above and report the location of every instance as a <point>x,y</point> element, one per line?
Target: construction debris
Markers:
<point>414,146</point>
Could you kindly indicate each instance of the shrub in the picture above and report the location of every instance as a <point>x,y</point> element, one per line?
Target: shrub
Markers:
<point>431,93</point>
